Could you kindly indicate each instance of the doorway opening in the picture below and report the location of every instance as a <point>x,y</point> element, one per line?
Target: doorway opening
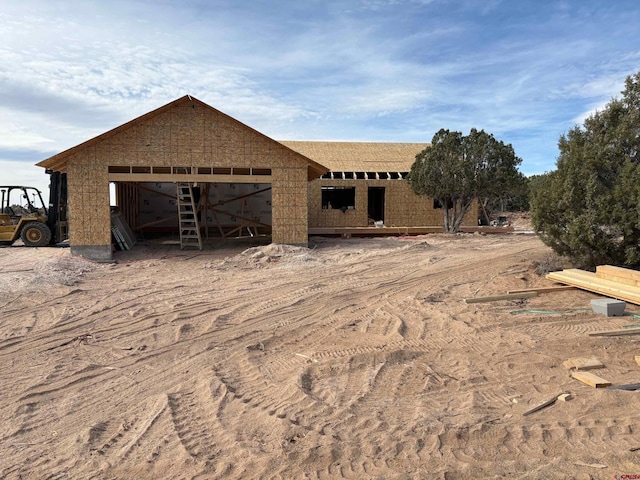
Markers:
<point>376,204</point>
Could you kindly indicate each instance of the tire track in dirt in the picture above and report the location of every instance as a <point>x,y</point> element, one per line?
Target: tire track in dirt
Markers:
<point>369,372</point>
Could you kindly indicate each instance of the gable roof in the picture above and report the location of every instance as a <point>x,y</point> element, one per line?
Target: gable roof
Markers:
<point>360,156</point>
<point>58,162</point>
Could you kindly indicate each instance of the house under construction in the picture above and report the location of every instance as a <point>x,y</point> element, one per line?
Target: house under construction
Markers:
<point>190,168</point>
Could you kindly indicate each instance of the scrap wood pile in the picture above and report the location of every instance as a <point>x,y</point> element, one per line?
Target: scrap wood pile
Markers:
<point>577,367</point>
<point>619,283</point>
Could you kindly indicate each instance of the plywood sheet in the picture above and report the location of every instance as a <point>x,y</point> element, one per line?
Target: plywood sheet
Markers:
<point>513,296</point>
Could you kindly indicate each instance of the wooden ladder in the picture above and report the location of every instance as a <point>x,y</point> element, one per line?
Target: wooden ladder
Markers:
<point>188,217</point>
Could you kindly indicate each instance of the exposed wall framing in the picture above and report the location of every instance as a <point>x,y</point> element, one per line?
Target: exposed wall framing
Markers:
<point>365,175</point>
<point>225,209</point>
<point>128,199</point>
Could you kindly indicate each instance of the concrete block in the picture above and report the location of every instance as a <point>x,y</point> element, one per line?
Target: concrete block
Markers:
<point>608,307</point>
<point>97,253</point>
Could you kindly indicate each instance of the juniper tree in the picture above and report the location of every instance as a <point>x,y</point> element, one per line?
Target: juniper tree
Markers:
<point>455,170</point>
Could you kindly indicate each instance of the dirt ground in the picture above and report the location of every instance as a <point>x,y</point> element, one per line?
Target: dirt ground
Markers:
<point>355,358</point>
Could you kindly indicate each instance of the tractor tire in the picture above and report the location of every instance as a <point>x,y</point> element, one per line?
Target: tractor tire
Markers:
<point>35,234</point>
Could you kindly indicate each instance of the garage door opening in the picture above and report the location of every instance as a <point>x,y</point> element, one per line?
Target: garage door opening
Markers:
<point>224,210</point>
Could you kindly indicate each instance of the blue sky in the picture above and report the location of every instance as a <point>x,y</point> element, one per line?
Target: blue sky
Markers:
<point>353,70</point>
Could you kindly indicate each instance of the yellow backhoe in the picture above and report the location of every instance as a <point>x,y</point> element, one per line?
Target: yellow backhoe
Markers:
<point>23,215</point>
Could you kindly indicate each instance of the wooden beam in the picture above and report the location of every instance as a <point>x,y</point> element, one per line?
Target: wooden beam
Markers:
<point>254,222</point>
<point>147,189</point>
<point>381,231</point>
<point>239,197</point>
<point>542,405</point>
<point>615,333</point>
<point>155,222</point>
<point>591,379</point>
<point>562,288</point>
<point>512,296</point>
<point>618,274</point>
<point>187,177</point>
<point>590,282</point>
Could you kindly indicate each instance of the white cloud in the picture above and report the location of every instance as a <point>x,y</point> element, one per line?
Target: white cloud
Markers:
<point>24,174</point>
<point>368,70</point>
<point>16,135</point>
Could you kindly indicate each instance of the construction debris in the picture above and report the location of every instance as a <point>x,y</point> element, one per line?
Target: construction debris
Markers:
<point>580,363</point>
<point>565,397</point>
<point>512,296</point>
<point>544,404</point>
<point>591,379</point>
<point>615,333</point>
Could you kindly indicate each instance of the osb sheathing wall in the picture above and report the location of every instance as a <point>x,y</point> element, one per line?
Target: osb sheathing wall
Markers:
<point>88,198</point>
<point>402,207</point>
<point>187,134</point>
<point>289,202</point>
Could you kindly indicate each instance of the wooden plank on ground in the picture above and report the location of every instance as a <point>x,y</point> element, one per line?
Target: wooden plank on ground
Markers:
<point>615,333</point>
<point>618,274</point>
<point>542,405</point>
<point>581,363</point>
<point>387,230</point>
<point>540,290</point>
<point>512,296</point>
<point>591,379</point>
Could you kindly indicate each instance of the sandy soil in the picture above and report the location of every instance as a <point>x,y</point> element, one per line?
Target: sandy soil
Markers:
<point>352,359</point>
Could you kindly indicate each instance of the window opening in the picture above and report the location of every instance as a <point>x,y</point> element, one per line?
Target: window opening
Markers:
<point>338,198</point>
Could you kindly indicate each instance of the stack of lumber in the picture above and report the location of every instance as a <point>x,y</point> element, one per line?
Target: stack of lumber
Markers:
<point>614,282</point>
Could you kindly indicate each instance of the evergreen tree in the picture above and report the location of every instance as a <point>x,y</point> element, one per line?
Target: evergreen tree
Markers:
<point>588,208</point>
<point>455,170</point>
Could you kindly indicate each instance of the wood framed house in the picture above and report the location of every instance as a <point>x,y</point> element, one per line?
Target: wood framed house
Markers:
<point>244,179</point>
